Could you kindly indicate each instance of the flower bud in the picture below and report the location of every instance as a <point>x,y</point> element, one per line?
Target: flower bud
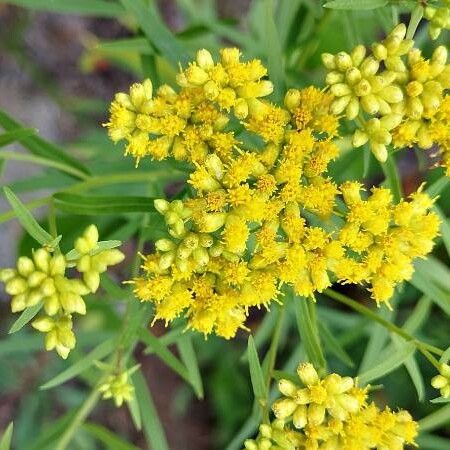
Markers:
<point>161,205</point>
<point>362,88</point>
<point>353,75</point>
<point>211,90</point>
<point>392,94</point>
<point>369,67</point>
<point>379,151</point>
<point>7,274</point>
<point>307,373</point>
<point>166,260</point>
<point>339,105</point>
<point>379,51</point>
<point>287,388</point>
<point>35,279</point>
<point>41,259</point>
<point>92,280</point>
<point>284,408</point>
<point>201,256</point>
<point>343,61</point>
<point>358,54</point>
<point>164,245</point>
<point>25,266</point>
<point>370,104</point>
<point>340,89</point>
<point>43,324</point>
<point>316,414</point>
<point>204,59</point>
<point>216,250</point>
<point>18,303</point>
<point>196,76</point>
<point>212,222</point>
<point>292,99</point>
<point>52,304</point>
<point>334,77</point>
<point>328,61</point>
<point>229,56</point>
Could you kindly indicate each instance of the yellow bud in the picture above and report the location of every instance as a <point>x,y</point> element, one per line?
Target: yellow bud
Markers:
<point>166,260</point>
<point>82,246</point>
<point>36,278</point>
<point>379,51</point>
<point>362,88</point>
<point>340,89</point>
<point>25,266</point>
<point>358,54</point>
<point>392,94</point>
<point>316,414</point>
<point>370,104</point>
<point>353,75</point>
<point>379,151</point>
<point>196,75</point>
<point>201,256</point>
<point>183,251</point>
<point>369,67</point>
<point>177,230</point>
<point>214,166</point>
<point>334,77</point>
<point>414,108</point>
<point>339,105</point>
<point>216,250</point>
<point>204,59</point>
<point>292,99</point>
<point>42,259</point>
<point>287,388</point>
<point>19,303</point>
<point>161,205</point>
<point>414,88</point>
<point>444,370</point>
<point>283,408</point>
<point>229,56</point>
<point>343,61</point>
<point>212,222</point>
<point>7,274</point>
<point>84,263</point>
<point>359,138</point>
<point>164,245</point>
<point>48,287</point>
<point>439,381</point>
<point>391,121</point>
<point>92,280</point>
<point>256,89</point>
<point>52,304</point>
<point>43,324</point>
<point>328,61</point>
<point>211,90</point>
<point>205,240</point>
<point>241,108</point>
<point>307,373</point>
<point>111,257</point>
<point>182,264</point>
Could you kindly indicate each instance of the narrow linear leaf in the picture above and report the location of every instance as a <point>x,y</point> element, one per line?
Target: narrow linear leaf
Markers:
<point>430,442</point>
<point>98,353</point>
<point>388,365</point>
<point>256,372</point>
<point>164,354</point>
<point>135,413</point>
<point>435,419</point>
<point>95,205</point>
<point>24,318</point>
<point>27,220</point>
<point>156,31</point>
<point>445,356</point>
<point>138,44</point>
<point>356,4</point>
<point>99,8</point>
<point>334,346</point>
<point>5,441</point>
<point>440,400</point>
<point>445,228</point>
<point>101,245</point>
<point>189,358</point>
<point>308,332</point>
<point>15,135</point>
<point>153,429</point>
<point>41,147</point>
<point>111,440</point>
<point>438,186</point>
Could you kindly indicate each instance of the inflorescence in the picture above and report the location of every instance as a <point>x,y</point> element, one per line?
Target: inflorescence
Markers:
<point>264,213</point>
<point>331,413</point>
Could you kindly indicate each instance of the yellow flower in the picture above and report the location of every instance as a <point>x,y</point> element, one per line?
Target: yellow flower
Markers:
<point>117,387</point>
<point>442,381</point>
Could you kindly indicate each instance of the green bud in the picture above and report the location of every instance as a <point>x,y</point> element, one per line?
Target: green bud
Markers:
<point>166,260</point>
<point>214,166</point>
<point>369,67</point>
<point>216,250</point>
<point>392,94</point>
<point>177,230</point>
<point>183,252</point>
<point>379,51</point>
<point>359,138</point>
<point>307,373</point>
<point>370,104</point>
<point>164,245</point>
<point>339,105</point>
<point>48,287</point>
<point>201,256</point>
<point>205,240</point>
<point>182,264</point>
<point>161,205</point>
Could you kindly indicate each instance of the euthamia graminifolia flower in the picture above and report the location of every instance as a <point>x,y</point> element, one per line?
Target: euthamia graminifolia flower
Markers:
<point>331,413</point>
<point>118,387</point>
<point>393,95</point>
<point>442,381</point>
<point>439,19</point>
<point>42,279</point>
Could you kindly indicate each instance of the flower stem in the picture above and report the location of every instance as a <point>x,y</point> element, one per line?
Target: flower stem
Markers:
<point>416,17</point>
<point>423,347</point>
<point>392,177</point>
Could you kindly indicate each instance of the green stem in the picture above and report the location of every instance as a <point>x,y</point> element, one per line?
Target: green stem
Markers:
<point>272,356</point>
<point>416,17</point>
<point>423,347</point>
<point>84,411</point>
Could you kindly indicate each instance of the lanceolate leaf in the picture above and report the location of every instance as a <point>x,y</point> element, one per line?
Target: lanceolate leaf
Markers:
<point>111,440</point>
<point>5,441</point>
<point>256,373</point>
<point>41,147</point>
<point>189,358</point>
<point>96,204</point>
<point>27,220</point>
<point>15,135</point>
<point>25,317</point>
<point>355,4</point>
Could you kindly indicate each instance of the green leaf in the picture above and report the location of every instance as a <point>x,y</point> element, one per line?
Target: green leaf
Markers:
<point>135,413</point>
<point>388,365</point>
<point>438,186</point>
<point>24,318</point>
<point>5,441</point>
<point>98,353</point>
<point>430,442</point>
<point>334,345</point>
<point>392,177</point>
<point>164,354</point>
<point>157,32</point>
<point>101,204</point>
<point>107,437</point>
<point>445,356</point>
<point>307,327</point>
<point>275,63</point>
<point>153,429</point>
<point>256,373</point>
<point>15,135</point>
<point>41,147</point>
<point>356,4</point>
<point>189,358</point>
<point>27,220</point>
<point>445,228</point>
<point>73,255</point>
<point>423,280</point>
<point>440,400</point>
<point>435,419</point>
<point>99,8</point>
<point>137,44</point>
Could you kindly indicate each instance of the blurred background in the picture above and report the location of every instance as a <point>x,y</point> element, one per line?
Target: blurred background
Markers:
<point>58,74</point>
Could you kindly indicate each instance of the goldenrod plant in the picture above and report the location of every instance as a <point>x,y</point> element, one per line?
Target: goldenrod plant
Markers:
<point>271,196</point>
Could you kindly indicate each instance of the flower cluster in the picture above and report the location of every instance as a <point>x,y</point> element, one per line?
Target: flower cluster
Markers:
<point>442,381</point>
<point>439,19</point>
<point>252,224</point>
<point>393,94</point>
<point>118,387</point>
<point>331,413</point>
<point>42,280</point>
